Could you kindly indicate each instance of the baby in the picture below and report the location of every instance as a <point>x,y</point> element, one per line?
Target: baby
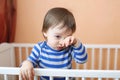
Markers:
<point>59,47</point>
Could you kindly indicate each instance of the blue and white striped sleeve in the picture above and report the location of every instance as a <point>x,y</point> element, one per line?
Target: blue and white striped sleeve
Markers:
<point>34,55</point>
<point>79,53</point>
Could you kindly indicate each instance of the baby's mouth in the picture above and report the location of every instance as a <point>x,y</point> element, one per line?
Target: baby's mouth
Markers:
<point>59,47</point>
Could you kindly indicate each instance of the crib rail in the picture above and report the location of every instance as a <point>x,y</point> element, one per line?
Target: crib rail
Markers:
<point>100,56</point>
<point>106,56</point>
<point>83,74</point>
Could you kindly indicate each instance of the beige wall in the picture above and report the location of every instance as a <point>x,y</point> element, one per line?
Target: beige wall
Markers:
<point>98,21</point>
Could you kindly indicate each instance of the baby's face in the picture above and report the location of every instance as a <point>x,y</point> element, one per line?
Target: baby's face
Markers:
<point>57,34</point>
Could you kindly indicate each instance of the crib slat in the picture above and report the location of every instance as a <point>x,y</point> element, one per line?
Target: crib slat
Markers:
<point>51,77</point>
<point>99,78</point>
<point>108,58</point>
<point>77,65</point>
<point>35,77</point>
<point>66,78</point>
<point>5,77</point>
<point>12,55</point>
<point>84,66</point>
<point>20,54</point>
<point>27,53</point>
<point>93,53</point>
<point>115,59</point>
<point>83,78</point>
<point>93,61</point>
<point>20,77</point>
<point>100,59</point>
<point>116,78</point>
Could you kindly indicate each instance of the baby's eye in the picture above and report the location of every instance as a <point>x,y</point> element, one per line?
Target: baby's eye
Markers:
<point>57,36</point>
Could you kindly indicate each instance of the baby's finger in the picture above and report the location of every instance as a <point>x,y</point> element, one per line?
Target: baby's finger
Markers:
<point>23,75</point>
<point>71,40</point>
<point>26,75</point>
<point>33,72</point>
<point>20,74</point>
<point>67,42</point>
<point>30,76</point>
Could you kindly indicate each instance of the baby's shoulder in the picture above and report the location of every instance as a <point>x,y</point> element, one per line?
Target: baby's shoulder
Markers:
<point>40,44</point>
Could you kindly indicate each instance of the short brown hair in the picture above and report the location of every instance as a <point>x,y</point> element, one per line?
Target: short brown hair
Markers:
<point>57,15</point>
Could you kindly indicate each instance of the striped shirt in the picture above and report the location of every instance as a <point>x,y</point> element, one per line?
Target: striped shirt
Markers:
<point>45,57</point>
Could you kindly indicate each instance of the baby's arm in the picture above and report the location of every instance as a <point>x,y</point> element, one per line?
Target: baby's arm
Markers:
<point>79,52</point>
<point>27,71</point>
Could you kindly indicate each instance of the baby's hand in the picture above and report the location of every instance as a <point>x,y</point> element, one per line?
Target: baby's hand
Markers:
<point>27,71</point>
<point>70,40</point>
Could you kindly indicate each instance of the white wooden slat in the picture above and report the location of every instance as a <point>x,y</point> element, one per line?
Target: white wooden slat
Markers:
<point>20,54</point>
<point>102,45</point>
<point>51,77</point>
<point>83,78</point>
<point>27,52</point>
<point>79,73</point>
<point>5,77</point>
<point>12,55</point>
<point>35,77</point>
<point>93,60</point>
<point>86,45</point>
<point>20,77</point>
<point>77,66</point>
<point>66,78</point>
<point>117,79</point>
<point>65,72</point>
<point>23,44</point>
<point>115,58</point>
<point>100,58</point>
<point>99,78</point>
<point>85,66</point>
<point>108,58</point>
<point>93,56</point>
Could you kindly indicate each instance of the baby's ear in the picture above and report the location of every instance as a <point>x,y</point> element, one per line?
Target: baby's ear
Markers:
<point>44,34</point>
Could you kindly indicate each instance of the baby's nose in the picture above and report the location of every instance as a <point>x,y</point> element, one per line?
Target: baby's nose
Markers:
<point>61,40</point>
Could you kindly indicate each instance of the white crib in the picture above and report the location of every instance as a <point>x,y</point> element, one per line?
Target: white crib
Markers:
<point>103,62</point>
<point>82,74</point>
